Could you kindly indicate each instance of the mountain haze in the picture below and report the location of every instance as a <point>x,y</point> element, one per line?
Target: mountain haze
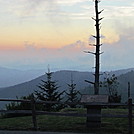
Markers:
<point>10,77</point>
<point>64,77</point>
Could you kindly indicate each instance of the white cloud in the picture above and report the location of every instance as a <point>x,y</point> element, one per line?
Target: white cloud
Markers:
<point>70,2</point>
<point>55,8</point>
<point>123,11</point>
<point>28,8</point>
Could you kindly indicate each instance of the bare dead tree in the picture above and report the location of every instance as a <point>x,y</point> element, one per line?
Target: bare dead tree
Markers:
<point>97,46</point>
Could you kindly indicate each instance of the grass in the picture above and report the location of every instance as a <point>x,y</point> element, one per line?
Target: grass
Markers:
<point>68,124</point>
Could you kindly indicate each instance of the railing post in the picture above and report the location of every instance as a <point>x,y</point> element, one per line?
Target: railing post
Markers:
<point>33,113</point>
<point>128,90</point>
<point>130,115</point>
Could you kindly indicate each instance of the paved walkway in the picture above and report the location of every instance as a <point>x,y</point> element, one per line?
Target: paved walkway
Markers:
<point>35,132</point>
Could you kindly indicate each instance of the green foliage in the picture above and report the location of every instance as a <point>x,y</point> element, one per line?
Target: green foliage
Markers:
<point>72,95</point>
<point>21,106</point>
<point>48,91</point>
<point>76,110</point>
<point>70,124</point>
<point>111,83</point>
<point>18,106</point>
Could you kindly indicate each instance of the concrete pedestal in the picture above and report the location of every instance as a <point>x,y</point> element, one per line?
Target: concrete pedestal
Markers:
<point>95,121</point>
<point>93,105</point>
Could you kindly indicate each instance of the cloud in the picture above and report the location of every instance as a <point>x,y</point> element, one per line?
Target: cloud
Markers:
<point>27,7</point>
<point>55,7</point>
<point>116,56</point>
<point>30,46</point>
<point>66,57</point>
<point>71,2</point>
<point>120,54</point>
<point>118,12</point>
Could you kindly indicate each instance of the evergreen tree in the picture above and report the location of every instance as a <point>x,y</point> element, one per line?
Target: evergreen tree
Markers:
<point>48,91</point>
<point>72,95</point>
<point>20,106</point>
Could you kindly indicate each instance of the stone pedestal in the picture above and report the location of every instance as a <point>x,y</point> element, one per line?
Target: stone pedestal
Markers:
<point>93,105</point>
<point>95,120</point>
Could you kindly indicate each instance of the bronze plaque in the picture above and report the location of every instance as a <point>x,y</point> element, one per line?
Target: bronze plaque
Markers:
<point>94,98</point>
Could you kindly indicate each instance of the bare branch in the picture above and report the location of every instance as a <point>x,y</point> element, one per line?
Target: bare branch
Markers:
<point>101,18</point>
<point>101,11</point>
<point>101,53</point>
<point>93,18</point>
<point>101,74</point>
<point>94,36</point>
<point>92,44</point>
<point>89,52</point>
<point>90,82</point>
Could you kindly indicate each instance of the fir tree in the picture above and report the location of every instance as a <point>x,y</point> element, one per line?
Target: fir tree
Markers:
<point>48,91</point>
<point>72,95</point>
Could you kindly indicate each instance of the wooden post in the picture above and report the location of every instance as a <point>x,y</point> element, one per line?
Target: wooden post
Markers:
<point>128,90</point>
<point>34,113</point>
<point>130,115</point>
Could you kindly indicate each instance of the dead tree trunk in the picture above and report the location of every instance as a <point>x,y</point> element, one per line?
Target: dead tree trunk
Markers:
<point>97,53</point>
<point>97,49</point>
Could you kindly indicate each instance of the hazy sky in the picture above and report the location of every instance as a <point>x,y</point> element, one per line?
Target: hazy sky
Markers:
<point>35,33</point>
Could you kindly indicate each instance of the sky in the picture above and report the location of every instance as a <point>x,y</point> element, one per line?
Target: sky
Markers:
<point>38,33</point>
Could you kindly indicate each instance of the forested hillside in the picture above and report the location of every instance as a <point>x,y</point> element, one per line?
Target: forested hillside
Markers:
<point>63,78</point>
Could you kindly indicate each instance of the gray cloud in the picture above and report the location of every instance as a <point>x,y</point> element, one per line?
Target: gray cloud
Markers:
<point>116,56</point>
<point>120,54</point>
<point>67,57</point>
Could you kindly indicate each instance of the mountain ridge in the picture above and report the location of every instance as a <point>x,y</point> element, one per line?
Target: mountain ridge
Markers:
<point>63,77</point>
<point>10,77</point>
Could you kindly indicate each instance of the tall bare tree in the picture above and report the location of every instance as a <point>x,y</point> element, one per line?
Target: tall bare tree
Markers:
<point>97,45</point>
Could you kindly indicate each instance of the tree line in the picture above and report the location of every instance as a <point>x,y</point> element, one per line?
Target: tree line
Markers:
<point>48,90</point>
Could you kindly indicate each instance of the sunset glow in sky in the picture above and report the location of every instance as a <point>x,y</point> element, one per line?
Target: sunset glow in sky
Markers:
<point>35,33</point>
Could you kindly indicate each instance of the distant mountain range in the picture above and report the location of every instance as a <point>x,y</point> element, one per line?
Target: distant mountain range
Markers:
<point>63,78</point>
<point>10,77</point>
